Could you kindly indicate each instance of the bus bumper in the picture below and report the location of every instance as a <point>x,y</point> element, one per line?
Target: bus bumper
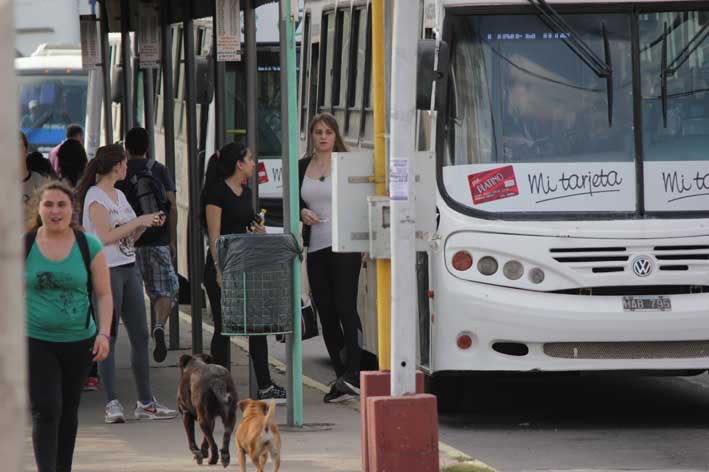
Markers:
<point>594,331</point>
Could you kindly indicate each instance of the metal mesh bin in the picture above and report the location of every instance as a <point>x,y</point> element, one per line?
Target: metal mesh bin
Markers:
<point>257,283</point>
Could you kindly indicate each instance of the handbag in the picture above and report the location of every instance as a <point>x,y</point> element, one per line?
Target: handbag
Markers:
<point>308,321</point>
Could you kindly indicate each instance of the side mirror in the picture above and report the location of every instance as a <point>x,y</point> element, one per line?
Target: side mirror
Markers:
<point>117,84</point>
<point>204,80</point>
<point>427,74</point>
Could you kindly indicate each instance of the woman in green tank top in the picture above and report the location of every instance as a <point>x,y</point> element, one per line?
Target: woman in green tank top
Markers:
<point>61,343</point>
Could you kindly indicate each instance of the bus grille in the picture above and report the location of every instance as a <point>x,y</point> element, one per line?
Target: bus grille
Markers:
<point>629,350</point>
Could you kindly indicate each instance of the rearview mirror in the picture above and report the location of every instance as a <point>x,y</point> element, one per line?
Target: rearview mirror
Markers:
<point>427,74</point>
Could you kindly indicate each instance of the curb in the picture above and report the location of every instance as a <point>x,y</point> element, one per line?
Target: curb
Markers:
<point>450,456</point>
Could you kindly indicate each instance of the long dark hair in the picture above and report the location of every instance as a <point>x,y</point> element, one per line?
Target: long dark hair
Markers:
<point>37,198</point>
<point>36,162</point>
<point>107,157</point>
<point>331,122</point>
<point>72,161</point>
<point>221,166</point>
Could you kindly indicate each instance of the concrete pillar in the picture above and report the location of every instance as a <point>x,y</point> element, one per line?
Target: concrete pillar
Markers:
<point>12,322</point>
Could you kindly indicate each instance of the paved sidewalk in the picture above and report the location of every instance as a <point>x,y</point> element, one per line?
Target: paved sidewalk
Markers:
<point>147,446</point>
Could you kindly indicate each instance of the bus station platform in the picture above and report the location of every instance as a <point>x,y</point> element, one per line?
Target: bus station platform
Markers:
<point>328,441</point>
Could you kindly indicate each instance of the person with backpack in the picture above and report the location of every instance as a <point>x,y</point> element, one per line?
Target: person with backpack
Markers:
<point>65,330</point>
<point>149,188</point>
<point>107,214</point>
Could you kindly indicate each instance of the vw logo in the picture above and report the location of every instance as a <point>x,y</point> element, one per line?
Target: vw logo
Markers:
<point>642,266</point>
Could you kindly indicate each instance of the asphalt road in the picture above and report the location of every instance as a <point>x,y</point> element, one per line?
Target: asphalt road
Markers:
<point>597,422</point>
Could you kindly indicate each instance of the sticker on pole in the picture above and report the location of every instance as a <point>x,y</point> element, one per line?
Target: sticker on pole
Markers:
<point>399,179</point>
<point>262,173</point>
<point>228,30</point>
<point>149,36</point>
<point>90,55</point>
<point>493,184</point>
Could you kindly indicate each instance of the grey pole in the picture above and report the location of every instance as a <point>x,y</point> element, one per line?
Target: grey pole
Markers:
<point>251,125</point>
<point>105,71</point>
<point>196,247</point>
<point>149,108</point>
<point>251,93</point>
<point>168,97</point>
<point>219,69</point>
<point>127,102</point>
<point>219,129</point>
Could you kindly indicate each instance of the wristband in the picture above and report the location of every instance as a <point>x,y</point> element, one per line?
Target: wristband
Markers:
<point>107,336</point>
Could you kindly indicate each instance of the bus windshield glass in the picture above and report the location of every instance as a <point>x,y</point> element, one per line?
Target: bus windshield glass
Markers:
<point>48,103</point>
<point>524,105</point>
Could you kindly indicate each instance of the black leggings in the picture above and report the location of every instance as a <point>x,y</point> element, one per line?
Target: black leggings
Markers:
<point>57,372</point>
<point>258,348</point>
<point>333,281</point>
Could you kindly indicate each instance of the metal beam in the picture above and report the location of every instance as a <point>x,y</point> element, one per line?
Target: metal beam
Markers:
<point>106,72</point>
<point>251,92</point>
<point>291,222</point>
<point>168,98</point>
<point>196,247</point>
<point>219,70</point>
<point>127,99</point>
<point>149,108</point>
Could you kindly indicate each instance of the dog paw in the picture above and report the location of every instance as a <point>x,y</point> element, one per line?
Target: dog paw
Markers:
<point>213,460</point>
<point>198,457</point>
<point>225,459</point>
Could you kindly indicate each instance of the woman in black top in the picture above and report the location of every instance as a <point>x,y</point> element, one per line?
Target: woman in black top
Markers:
<point>226,209</point>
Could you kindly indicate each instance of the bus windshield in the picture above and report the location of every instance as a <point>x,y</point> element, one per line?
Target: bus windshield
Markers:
<point>532,127</point>
<point>48,103</point>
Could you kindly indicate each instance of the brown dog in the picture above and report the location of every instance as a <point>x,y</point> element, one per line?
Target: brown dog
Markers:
<point>206,392</point>
<point>258,435</point>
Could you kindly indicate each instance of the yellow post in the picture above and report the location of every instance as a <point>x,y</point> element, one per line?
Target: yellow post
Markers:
<point>379,99</point>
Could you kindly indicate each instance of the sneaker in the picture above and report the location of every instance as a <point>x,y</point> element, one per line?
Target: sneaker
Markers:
<point>153,411</point>
<point>275,393</point>
<point>337,396</point>
<point>160,351</point>
<point>348,383</point>
<point>91,384</point>
<point>114,412</point>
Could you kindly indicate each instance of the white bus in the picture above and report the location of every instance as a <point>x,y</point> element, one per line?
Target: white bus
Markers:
<point>53,94</point>
<point>572,179</point>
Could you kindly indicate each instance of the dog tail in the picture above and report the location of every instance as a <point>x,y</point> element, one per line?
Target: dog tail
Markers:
<point>269,419</point>
<point>220,391</point>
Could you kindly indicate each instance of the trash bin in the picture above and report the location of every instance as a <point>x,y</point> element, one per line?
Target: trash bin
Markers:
<point>257,283</point>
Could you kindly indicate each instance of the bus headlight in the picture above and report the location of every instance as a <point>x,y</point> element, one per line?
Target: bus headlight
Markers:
<point>536,275</point>
<point>487,265</point>
<point>513,270</point>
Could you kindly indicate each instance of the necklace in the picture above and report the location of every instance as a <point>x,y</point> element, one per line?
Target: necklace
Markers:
<point>321,170</point>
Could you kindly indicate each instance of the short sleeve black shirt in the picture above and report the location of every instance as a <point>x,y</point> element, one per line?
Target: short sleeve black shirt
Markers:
<point>237,212</point>
<point>152,236</point>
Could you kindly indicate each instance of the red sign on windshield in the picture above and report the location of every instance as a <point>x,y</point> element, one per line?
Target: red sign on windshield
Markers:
<point>493,184</point>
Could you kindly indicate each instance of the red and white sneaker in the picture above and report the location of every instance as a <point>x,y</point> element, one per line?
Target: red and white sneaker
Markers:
<point>91,384</point>
<point>153,411</point>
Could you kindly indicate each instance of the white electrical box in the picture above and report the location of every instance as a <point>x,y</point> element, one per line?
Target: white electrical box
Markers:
<point>360,221</point>
<point>379,223</point>
<point>352,183</point>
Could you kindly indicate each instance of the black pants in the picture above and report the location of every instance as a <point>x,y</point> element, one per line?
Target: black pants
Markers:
<point>57,372</point>
<point>333,281</point>
<point>258,348</point>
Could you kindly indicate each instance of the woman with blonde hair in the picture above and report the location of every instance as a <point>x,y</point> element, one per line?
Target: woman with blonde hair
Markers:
<point>333,276</point>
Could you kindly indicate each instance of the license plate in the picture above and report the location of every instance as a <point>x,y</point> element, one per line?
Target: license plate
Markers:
<point>647,303</point>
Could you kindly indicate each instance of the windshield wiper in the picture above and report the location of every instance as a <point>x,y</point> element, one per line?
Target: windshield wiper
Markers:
<point>672,68</point>
<point>583,51</point>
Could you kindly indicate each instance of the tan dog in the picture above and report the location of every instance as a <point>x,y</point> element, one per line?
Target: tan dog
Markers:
<point>258,435</point>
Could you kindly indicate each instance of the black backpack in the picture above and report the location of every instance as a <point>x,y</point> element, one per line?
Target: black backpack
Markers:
<point>145,192</point>
<point>85,255</point>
